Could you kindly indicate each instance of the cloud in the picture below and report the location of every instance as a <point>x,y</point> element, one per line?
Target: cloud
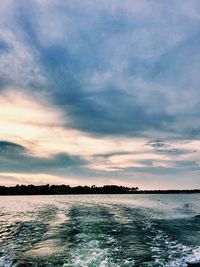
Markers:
<point>16,158</point>
<point>106,88</point>
<point>9,147</point>
<point>135,47</point>
<point>166,147</point>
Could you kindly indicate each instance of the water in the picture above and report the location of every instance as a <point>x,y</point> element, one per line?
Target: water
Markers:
<point>100,230</point>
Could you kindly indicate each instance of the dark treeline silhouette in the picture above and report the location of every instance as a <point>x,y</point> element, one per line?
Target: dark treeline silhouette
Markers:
<point>66,189</point>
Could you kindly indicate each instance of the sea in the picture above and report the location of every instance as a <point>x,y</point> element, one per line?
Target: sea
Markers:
<point>147,230</point>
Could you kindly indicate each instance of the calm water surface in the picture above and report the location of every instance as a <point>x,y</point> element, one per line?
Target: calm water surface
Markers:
<point>100,230</point>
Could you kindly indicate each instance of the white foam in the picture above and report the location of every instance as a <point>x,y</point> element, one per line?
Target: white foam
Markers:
<point>192,257</point>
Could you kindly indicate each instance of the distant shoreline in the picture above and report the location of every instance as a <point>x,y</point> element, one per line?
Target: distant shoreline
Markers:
<point>83,190</point>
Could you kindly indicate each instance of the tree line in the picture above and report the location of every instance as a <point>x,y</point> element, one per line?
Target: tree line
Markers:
<point>67,189</point>
<point>64,189</point>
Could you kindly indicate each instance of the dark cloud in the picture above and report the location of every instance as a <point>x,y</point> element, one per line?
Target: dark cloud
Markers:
<point>16,158</point>
<point>99,42</point>
<point>9,148</point>
<point>167,148</point>
<point>110,110</point>
<point>158,144</point>
<point>118,153</point>
<point>176,151</point>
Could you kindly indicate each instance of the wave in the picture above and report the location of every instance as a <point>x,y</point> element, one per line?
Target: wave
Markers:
<point>98,235</point>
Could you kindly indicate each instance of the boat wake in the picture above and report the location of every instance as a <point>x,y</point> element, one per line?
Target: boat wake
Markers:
<point>87,234</point>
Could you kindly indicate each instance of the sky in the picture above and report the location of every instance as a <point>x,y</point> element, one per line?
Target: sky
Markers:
<point>100,92</point>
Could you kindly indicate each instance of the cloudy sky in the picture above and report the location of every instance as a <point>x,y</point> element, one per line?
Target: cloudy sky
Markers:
<point>100,92</point>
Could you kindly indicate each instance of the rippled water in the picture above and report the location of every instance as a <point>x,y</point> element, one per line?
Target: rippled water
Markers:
<point>100,230</point>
